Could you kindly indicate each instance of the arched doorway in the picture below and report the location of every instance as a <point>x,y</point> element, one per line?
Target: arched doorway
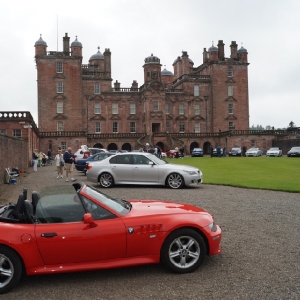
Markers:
<point>206,148</point>
<point>193,145</point>
<point>161,145</point>
<point>112,146</point>
<point>126,146</point>
<point>98,145</point>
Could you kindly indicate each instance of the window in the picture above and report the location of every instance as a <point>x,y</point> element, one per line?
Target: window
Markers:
<point>132,108</point>
<point>167,108</point>
<point>17,132</point>
<point>253,144</point>
<point>2,131</point>
<point>230,90</point>
<point>231,126</point>
<point>230,72</point>
<point>59,87</point>
<point>197,109</point>
<point>230,108</point>
<point>181,109</point>
<point>155,105</point>
<point>197,127</point>
<point>97,108</point>
<point>60,126</point>
<point>181,127</point>
<point>132,127</point>
<point>196,90</point>
<point>168,127</point>
<point>63,146</point>
<point>60,107</point>
<point>59,67</point>
<point>97,88</point>
<point>97,127</point>
<point>115,108</point>
<point>115,127</point>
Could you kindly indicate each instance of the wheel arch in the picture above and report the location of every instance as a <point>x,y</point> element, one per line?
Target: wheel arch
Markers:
<point>18,254</point>
<point>174,172</point>
<point>197,230</point>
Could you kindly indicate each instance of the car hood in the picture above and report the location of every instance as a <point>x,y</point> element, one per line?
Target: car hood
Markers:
<point>178,167</point>
<point>154,207</point>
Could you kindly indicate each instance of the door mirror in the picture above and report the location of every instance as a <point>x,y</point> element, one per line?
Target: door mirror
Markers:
<point>88,219</point>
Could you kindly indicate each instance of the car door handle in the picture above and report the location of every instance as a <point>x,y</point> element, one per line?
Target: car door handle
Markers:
<point>48,234</point>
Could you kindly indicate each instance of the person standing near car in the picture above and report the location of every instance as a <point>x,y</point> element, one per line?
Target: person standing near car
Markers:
<point>69,163</point>
<point>35,157</point>
<point>59,159</point>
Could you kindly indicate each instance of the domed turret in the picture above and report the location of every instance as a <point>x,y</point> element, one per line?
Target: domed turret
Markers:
<point>40,47</point>
<point>98,55</point>
<point>165,72</point>
<point>76,43</point>
<point>242,54</point>
<point>152,60</point>
<point>242,50</point>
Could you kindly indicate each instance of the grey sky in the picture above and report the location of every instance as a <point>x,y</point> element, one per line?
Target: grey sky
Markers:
<point>133,29</point>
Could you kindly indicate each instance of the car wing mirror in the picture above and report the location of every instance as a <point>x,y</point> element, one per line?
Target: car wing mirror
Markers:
<point>151,163</point>
<point>88,219</point>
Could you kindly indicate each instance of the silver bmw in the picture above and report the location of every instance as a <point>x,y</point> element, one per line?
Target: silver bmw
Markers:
<point>141,168</point>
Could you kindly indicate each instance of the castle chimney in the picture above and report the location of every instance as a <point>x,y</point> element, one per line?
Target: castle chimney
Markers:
<point>66,44</point>
<point>221,50</point>
<point>233,47</point>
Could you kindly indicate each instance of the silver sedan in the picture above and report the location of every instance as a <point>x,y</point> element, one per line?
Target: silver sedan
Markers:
<point>141,168</point>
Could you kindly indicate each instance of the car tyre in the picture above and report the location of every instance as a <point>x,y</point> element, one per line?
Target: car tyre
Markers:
<point>183,251</point>
<point>106,180</point>
<point>10,269</point>
<point>175,181</point>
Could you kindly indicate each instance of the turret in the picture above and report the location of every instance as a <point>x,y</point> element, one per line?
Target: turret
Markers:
<point>213,53</point>
<point>152,69</point>
<point>76,48</point>
<point>243,55</point>
<point>40,47</point>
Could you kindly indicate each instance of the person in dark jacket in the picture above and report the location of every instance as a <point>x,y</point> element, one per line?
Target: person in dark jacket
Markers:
<point>69,163</point>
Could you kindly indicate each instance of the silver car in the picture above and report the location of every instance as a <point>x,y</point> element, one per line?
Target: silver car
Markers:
<point>141,168</point>
<point>274,151</point>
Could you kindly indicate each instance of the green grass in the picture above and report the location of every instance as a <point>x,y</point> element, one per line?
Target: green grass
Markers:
<point>270,173</point>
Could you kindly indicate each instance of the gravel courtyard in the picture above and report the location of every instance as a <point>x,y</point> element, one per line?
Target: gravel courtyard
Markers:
<point>260,248</point>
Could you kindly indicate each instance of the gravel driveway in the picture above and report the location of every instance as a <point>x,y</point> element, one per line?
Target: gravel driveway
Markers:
<point>260,248</point>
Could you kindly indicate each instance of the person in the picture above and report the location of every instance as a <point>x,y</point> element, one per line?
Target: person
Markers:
<point>224,151</point>
<point>35,159</point>
<point>44,160</point>
<point>211,150</point>
<point>176,154</point>
<point>219,150</point>
<point>40,158</point>
<point>181,152</point>
<point>49,158</point>
<point>69,162</point>
<point>158,152</point>
<point>59,164</point>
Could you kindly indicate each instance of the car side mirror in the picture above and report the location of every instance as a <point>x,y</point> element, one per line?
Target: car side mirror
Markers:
<point>151,163</point>
<point>88,219</point>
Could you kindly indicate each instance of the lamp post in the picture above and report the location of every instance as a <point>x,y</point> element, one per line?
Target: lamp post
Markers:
<point>206,99</point>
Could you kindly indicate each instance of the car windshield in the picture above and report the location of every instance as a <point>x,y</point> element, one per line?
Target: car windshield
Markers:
<point>118,205</point>
<point>197,149</point>
<point>157,160</point>
<point>253,149</point>
<point>272,149</point>
<point>235,149</point>
<point>295,148</point>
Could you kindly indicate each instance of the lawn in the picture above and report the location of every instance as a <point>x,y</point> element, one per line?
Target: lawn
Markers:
<point>271,173</point>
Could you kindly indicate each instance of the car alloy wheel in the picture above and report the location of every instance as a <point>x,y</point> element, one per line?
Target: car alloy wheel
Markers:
<point>175,181</point>
<point>183,251</point>
<point>10,269</point>
<point>106,180</point>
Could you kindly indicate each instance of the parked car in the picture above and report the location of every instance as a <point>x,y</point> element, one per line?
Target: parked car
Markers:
<point>89,230</point>
<point>236,151</point>
<point>295,151</point>
<point>141,168</point>
<point>80,164</point>
<point>197,152</point>
<point>173,153</point>
<point>254,152</point>
<point>80,152</point>
<point>274,151</point>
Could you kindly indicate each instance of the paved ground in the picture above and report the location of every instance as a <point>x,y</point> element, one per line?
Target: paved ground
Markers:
<point>260,258</point>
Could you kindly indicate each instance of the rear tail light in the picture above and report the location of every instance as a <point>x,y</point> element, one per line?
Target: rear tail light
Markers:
<point>87,166</point>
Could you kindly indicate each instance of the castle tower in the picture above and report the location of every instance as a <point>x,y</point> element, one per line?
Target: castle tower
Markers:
<point>76,48</point>
<point>152,69</point>
<point>40,47</point>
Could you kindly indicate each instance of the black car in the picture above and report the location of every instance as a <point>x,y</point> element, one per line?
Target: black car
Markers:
<point>197,152</point>
<point>80,163</point>
<point>295,151</point>
<point>237,151</point>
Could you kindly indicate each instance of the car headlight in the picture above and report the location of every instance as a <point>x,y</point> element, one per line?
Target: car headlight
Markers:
<point>191,172</point>
<point>213,226</point>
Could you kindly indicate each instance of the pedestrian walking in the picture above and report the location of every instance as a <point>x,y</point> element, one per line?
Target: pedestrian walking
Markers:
<point>69,163</point>
<point>211,150</point>
<point>35,157</point>
<point>60,163</point>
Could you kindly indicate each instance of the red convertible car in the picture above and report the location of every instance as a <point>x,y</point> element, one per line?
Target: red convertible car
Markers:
<point>88,230</point>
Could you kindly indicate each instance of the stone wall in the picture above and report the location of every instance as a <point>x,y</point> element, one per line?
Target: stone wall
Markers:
<point>14,153</point>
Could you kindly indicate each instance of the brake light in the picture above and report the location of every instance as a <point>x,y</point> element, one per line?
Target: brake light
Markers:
<point>87,166</point>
